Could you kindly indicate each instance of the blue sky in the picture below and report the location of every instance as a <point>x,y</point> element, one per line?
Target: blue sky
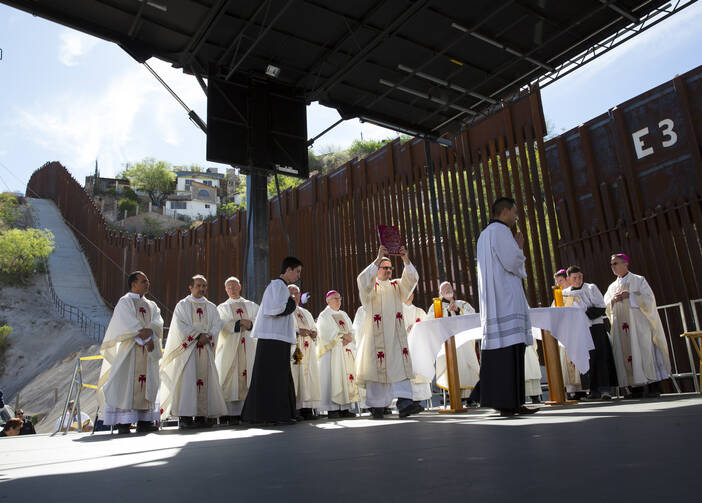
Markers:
<point>73,98</point>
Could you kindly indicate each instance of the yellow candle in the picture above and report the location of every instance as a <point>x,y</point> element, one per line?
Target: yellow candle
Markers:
<point>558,295</point>
<point>438,310</point>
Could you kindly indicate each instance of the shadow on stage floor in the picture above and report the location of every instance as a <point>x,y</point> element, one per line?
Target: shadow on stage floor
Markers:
<point>622,450</point>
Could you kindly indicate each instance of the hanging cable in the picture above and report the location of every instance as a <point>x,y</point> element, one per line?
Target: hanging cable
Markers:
<point>191,113</point>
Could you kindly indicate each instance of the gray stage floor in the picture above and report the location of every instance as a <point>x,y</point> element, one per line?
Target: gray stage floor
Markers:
<point>640,450</point>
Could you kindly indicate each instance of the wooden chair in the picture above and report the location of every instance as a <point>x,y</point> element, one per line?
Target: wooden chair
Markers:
<point>696,339</point>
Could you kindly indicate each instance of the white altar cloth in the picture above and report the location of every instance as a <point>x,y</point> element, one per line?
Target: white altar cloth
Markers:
<point>568,325</point>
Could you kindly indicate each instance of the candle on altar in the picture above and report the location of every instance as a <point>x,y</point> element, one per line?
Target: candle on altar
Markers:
<point>558,296</point>
<point>438,309</point>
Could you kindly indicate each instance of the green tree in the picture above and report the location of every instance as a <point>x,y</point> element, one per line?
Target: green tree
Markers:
<point>130,194</point>
<point>285,182</point>
<point>231,207</point>
<point>332,157</point>
<point>362,148</point>
<point>127,205</point>
<point>314,162</point>
<point>24,251</point>
<point>153,177</point>
<point>333,160</point>
<point>5,332</point>
<point>9,210</point>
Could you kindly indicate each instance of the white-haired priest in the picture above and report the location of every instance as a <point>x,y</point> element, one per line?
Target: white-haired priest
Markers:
<point>236,349</point>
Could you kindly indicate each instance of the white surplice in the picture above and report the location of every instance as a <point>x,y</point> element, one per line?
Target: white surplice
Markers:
<point>638,339</point>
<point>587,296</point>
<point>466,357</point>
<point>306,373</point>
<point>384,364</point>
<point>189,378</point>
<point>268,324</point>
<point>129,377</point>
<point>235,352</point>
<point>337,362</point>
<point>504,311</point>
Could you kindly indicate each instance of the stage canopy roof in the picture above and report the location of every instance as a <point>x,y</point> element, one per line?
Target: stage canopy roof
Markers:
<point>419,66</point>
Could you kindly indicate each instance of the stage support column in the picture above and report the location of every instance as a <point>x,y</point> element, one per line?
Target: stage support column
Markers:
<point>257,271</point>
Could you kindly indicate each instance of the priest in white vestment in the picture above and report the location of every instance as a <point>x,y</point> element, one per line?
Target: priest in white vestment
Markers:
<point>571,375</point>
<point>504,312</point>
<point>638,339</point>
<point>602,376</point>
<point>421,386</point>
<point>337,359</point>
<point>384,364</point>
<point>306,372</point>
<point>190,386</point>
<point>131,350</point>
<point>236,349</point>
<point>271,397</point>
<point>466,357</point>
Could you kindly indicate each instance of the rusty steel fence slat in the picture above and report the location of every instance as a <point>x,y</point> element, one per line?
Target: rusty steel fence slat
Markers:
<point>630,180</point>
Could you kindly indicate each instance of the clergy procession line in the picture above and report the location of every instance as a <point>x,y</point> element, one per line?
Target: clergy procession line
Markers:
<point>274,364</point>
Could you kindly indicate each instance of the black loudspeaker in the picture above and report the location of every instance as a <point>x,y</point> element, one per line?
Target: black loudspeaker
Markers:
<point>258,124</point>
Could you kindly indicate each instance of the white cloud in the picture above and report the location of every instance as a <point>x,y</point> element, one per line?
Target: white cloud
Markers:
<point>132,118</point>
<point>74,45</point>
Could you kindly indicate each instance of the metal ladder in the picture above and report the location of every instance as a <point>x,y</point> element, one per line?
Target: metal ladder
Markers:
<point>74,391</point>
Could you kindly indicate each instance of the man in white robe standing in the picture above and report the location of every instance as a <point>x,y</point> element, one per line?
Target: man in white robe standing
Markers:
<point>189,380</point>
<point>571,375</point>
<point>131,350</point>
<point>504,312</point>
<point>337,359</point>
<point>271,397</point>
<point>384,364</point>
<point>602,376</point>
<point>466,357</point>
<point>306,372</point>
<point>236,349</point>
<point>638,339</point>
